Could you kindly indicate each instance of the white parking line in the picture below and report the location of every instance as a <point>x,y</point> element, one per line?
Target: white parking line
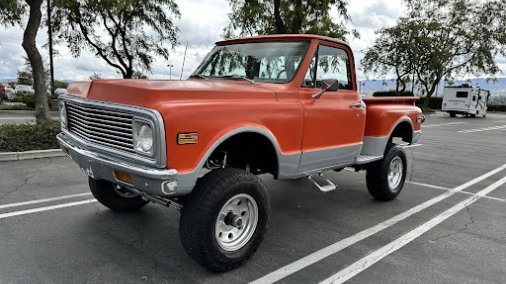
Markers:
<point>46,208</point>
<point>346,242</point>
<point>448,189</point>
<point>499,127</point>
<point>367,261</point>
<point>442,124</point>
<point>9,205</point>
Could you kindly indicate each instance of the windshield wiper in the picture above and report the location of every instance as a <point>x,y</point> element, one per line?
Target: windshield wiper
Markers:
<point>199,76</point>
<point>239,77</point>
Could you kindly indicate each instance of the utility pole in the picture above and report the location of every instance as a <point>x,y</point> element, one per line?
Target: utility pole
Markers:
<point>170,70</point>
<point>50,34</point>
<point>184,59</point>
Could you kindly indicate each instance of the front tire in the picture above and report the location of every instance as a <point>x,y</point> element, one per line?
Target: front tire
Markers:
<point>224,220</point>
<point>115,198</point>
<point>385,178</point>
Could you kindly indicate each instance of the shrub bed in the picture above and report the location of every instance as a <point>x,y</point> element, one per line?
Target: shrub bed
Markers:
<point>496,107</point>
<point>434,103</point>
<point>392,93</point>
<point>27,137</point>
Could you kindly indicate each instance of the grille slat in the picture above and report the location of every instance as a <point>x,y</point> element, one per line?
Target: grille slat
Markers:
<point>102,126</point>
<point>110,112</point>
<point>116,128</point>
<point>101,120</point>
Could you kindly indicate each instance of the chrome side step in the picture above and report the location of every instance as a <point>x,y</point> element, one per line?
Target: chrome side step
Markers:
<point>322,183</point>
<point>364,159</point>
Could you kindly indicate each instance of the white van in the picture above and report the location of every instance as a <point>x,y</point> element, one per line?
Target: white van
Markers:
<point>465,100</point>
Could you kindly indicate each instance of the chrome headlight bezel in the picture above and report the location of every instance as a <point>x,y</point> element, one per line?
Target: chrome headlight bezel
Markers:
<point>137,125</point>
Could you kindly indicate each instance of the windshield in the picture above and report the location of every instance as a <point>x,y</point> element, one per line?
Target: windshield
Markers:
<point>275,62</point>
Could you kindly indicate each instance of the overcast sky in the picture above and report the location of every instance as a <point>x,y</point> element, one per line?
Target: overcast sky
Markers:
<point>201,25</point>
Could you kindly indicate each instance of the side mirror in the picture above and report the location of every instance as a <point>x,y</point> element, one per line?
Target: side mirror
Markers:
<point>327,85</point>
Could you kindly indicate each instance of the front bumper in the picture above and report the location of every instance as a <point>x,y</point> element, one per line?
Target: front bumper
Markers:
<point>162,182</point>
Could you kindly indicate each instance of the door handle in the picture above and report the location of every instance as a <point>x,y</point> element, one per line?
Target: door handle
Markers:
<point>357,105</point>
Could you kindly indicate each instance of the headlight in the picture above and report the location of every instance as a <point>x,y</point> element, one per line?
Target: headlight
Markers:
<point>63,116</point>
<point>143,137</point>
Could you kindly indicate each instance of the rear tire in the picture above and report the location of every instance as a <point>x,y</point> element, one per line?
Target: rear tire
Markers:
<point>116,199</point>
<point>224,220</point>
<point>385,178</point>
<point>452,114</point>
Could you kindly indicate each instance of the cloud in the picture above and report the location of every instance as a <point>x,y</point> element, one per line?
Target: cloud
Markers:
<point>201,25</point>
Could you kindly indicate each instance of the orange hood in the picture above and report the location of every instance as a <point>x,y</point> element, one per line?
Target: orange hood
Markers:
<point>152,93</point>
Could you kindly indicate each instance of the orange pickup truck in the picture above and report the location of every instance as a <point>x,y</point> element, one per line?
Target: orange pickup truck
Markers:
<point>287,105</point>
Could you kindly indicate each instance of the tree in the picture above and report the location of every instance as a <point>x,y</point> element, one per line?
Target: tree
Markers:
<point>392,53</point>
<point>11,13</point>
<point>60,84</point>
<point>25,77</point>
<point>95,76</point>
<point>251,17</point>
<point>135,30</point>
<point>442,39</point>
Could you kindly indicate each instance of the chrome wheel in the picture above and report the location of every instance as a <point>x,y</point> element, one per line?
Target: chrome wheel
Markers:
<point>395,171</point>
<point>236,222</point>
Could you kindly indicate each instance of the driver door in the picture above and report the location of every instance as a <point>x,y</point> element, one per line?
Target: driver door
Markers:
<point>334,123</point>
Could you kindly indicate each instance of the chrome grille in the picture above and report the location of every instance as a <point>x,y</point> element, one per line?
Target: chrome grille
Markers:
<point>111,128</point>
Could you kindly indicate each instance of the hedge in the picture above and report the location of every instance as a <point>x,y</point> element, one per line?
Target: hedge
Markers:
<point>434,103</point>
<point>392,93</point>
<point>27,137</point>
<point>496,107</point>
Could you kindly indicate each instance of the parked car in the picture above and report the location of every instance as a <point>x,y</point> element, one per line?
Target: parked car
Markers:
<point>23,89</point>
<point>286,105</point>
<point>3,93</point>
<point>60,91</point>
<point>10,93</point>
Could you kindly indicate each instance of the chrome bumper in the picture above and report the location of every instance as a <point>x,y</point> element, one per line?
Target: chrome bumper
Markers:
<point>162,182</point>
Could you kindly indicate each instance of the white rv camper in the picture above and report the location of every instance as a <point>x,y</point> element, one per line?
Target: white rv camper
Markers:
<point>465,100</point>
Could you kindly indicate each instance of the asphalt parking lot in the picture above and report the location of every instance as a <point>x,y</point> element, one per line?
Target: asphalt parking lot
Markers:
<point>447,226</point>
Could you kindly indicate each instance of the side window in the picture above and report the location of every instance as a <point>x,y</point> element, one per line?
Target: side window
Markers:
<point>309,79</point>
<point>462,94</point>
<point>333,64</point>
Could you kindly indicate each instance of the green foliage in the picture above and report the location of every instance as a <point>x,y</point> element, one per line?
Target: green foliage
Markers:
<point>127,34</point>
<point>29,100</point>
<point>284,16</point>
<point>26,137</point>
<point>25,77</point>
<point>393,93</point>
<point>11,12</point>
<point>60,84</point>
<point>496,107</point>
<point>434,103</point>
<point>17,99</point>
<point>441,39</point>
<point>95,76</point>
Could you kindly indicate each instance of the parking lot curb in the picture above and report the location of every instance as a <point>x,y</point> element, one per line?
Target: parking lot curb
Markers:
<point>28,155</point>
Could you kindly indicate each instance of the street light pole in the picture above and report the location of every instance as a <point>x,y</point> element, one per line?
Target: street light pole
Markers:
<point>170,70</point>
<point>50,34</point>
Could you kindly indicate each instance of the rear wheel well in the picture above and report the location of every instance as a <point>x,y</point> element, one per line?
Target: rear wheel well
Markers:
<point>248,151</point>
<point>403,130</point>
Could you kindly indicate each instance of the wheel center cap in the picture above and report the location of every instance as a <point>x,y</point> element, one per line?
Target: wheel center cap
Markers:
<point>233,219</point>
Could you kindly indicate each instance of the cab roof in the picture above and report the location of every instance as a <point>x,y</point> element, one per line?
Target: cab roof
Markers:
<point>275,37</point>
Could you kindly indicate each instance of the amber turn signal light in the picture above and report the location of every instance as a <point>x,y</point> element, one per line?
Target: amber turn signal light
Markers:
<point>124,177</point>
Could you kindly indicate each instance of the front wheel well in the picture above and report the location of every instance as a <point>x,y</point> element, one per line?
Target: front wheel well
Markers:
<point>403,130</point>
<point>248,151</point>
